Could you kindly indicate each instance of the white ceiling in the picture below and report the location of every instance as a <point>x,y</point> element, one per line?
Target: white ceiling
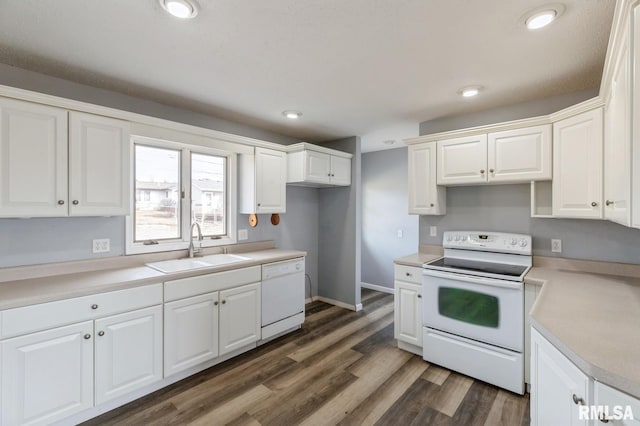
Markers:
<point>350,66</point>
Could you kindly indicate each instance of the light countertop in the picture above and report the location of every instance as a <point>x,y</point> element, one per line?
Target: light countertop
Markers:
<point>25,292</point>
<point>416,259</point>
<point>594,320</point>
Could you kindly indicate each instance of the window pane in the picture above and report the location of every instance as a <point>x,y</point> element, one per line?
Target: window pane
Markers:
<point>208,193</point>
<point>469,306</point>
<point>157,209</point>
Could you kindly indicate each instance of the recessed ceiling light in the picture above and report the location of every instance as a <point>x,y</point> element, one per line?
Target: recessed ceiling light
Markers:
<point>470,91</point>
<point>389,142</point>
<point>183,9</point>
<point>541,19</point>
<point>542,16</point>
<point>292,115</point>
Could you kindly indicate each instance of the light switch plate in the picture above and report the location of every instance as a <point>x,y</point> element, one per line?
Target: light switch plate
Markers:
<point>242,234</point>
<point>433,231</point>
<point>556,246</point>
<point>102,245</point>
<point>400,233</point>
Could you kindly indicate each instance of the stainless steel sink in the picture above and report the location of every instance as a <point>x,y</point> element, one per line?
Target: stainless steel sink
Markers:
<point>188,264</point>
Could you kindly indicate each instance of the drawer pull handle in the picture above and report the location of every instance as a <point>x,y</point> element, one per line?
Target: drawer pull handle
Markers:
<point>87,336</point>
<point>602,418</point>
<point>100,333</point>
<point>94,306</point>
<point>608,203</point>
<point>577,400</point>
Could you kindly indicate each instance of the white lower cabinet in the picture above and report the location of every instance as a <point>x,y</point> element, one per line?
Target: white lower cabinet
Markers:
<point>558,388</point>
<point>128,352</point>
<point>190,332</point>
<point>408,308</point>
<point>47,376</point>
<point>616,407</point>
<point>240,317</point>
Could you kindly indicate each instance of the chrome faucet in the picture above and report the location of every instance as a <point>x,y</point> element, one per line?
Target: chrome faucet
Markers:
<point>192,249</point>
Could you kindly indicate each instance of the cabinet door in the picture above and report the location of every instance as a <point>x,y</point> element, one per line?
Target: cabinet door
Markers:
<point>340,171</point>
<point>271,181</point>
<point>408,313</point>
<point>99,151</point>
<point>240,316</point>
<point>33,160</point>
<point>462,160</point>
<point>128,352</point>
<point>425,197</point>
<point>190,332</point>
<point>618,407</point>
<point>317,167</point>
<point>47,376</point>
<point>558,388</point>
<point>577,166</point>
<point>617,141</point>
<point>520,155</point>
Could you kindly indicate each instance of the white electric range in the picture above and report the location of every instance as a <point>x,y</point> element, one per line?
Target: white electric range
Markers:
<point>473,306</point>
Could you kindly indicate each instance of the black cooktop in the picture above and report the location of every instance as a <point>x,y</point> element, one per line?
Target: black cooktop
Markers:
<point>465,265</point>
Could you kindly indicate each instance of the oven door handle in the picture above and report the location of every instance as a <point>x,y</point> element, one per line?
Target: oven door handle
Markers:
<point>514,285</point>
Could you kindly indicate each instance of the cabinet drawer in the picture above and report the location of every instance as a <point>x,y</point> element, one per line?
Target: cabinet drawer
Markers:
<point>187,287</point>
<point>44,316</point>
<point>411,274</point>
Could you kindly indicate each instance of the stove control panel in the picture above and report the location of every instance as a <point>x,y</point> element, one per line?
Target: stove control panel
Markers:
<point>498,242</point>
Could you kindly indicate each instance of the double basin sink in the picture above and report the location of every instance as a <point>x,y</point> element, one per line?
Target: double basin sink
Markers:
<point>180,265</point>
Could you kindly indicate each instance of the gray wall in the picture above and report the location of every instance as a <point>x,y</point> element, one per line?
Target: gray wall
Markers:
<point>507,207</point>
<point>31,241</point>
<point>340,233</point>
<point>384,212</point>
<point>507,113</point>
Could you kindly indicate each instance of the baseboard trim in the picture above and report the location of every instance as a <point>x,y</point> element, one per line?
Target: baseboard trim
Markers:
<point>310,299</point>
<point>337,303</point>
<point>378,288</point>
<point>358,307</point>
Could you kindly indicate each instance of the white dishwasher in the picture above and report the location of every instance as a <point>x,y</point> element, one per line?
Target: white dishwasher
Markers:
<point>282,297</point>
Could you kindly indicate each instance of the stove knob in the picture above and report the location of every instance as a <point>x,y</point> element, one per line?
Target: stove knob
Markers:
<point>449,237</point>
<point>514,242</point>
<point>523,243</point>
<point>458,238</point>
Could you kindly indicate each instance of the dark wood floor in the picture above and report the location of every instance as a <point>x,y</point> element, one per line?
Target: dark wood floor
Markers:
<point>343,368</point>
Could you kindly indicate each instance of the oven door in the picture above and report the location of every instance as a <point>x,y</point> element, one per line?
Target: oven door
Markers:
<point>484,309</point>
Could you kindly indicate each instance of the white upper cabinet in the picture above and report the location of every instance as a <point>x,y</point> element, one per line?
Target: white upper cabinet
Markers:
<point>462,160</point>
<point>425,197</point>
<point>617,136</point>
<point>520,155</point>
<point>99,156</point>
<point>577,166</point>
<point>33,160</point>
<point>340,171</point>
<point>310,165</point>
<point>263,181</point>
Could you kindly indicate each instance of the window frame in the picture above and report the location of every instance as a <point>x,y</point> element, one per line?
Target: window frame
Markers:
<point>182,243</point>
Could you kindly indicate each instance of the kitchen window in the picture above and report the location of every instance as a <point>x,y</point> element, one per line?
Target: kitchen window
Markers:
<point>175,186</point>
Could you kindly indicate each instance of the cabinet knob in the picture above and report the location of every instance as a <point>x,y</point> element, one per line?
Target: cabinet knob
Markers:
<point>602,418</point>
<point>490,170</point>
<point>61,202</point>
<point>594,204</point>
<point>224,302</point>
<point>94,306</point>
<point>432,205</point>
<point>408,274</point>
<point>481,171</point>
<point>608,203</point>
<point>100,333</point>
<point>87,336</point>
<point>329,174</point>
<point>216,303</point>
<point>577,400</point>
<point>75,202</point>
<point>419,296</point>
<point>258,204</point>
<point>332,175</point>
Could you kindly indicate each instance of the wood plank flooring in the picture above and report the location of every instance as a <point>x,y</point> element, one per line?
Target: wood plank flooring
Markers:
<point>340,368</point>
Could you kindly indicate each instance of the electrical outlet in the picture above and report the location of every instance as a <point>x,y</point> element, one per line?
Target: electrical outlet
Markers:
<point>433,231</point>
<point>400,233</point>
<point>556,246</point>
<point>102,245</point>
<point>243,234</point>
